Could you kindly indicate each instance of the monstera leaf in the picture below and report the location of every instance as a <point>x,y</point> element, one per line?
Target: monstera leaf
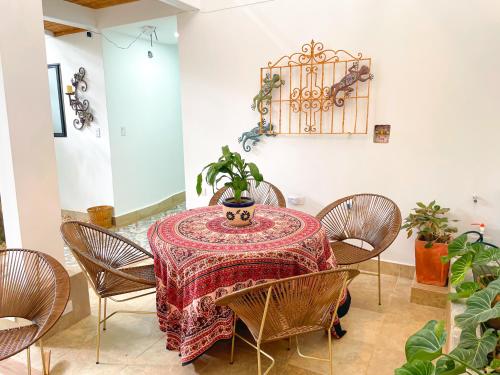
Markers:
<point>426,344</point>
<point>478,347</point>
<point>479,307</point>
<point>416,367</point>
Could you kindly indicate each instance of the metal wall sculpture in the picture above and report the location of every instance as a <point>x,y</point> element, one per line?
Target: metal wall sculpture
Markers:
<point>81,107</point>
<point>254,135</point>
<point>320,91</point>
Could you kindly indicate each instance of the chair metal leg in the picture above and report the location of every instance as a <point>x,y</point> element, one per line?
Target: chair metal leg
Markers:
<point>379,286</point>
<point>104,323</point>
<point>28,360</point>
<point>232,340</point>
<point>98,332</point>
<point>45,359</point>
<point>330,353</point>
<point>259,364</point>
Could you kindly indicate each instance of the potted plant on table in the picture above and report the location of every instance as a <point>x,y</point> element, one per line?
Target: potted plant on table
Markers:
<point>433,235</point>
<point>230,167</point>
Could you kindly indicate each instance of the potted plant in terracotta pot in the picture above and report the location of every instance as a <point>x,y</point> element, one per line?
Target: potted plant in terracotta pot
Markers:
<point>433,235</point>
<point>232,169</point>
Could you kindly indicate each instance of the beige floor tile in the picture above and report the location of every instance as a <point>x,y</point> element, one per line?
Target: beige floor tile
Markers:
<point>133,344</point>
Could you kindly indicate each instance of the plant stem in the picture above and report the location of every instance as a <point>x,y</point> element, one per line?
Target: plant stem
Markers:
<point>463,364</point>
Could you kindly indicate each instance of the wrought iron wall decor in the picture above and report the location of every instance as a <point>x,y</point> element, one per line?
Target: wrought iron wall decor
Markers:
<point>79,105</point>
<point>308,101</point>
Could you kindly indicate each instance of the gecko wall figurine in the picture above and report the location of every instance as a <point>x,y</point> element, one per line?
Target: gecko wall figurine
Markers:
<point>255,134</point>
<point>362,75</point>
<point>262,100</point>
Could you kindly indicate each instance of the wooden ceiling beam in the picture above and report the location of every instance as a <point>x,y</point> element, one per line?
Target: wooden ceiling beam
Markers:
<point>99,4</point>
<point>58,29</point>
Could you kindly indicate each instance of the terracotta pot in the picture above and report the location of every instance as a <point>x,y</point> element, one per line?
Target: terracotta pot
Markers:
<point>239,214</point>
<point>428,265</point>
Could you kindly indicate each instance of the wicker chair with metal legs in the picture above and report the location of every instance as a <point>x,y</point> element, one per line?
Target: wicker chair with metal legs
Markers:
<point>369,218</point>
<point>289,307</point>
<point>33,286</point>
<point>110,263</point>
<point>265,193</point>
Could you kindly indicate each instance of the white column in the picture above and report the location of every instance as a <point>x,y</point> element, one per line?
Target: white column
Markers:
<point>28,171</point>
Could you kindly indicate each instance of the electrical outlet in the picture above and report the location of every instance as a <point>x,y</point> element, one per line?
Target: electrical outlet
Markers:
<point>98,132</point>
<point>123,131</point>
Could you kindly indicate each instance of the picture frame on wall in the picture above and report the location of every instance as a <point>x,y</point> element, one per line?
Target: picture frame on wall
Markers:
<point>56,100</point>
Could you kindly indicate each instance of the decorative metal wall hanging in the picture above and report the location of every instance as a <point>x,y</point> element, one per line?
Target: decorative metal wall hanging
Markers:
<point>263,99</point>
<point>81,107</point>
<point>255,134</point>
<point>308,101</point>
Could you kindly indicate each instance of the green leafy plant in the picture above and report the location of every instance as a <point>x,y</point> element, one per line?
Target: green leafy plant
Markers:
<point>483,258</point>
<point>472,355</point>
<point>233,169</point>
<point>430,222</point>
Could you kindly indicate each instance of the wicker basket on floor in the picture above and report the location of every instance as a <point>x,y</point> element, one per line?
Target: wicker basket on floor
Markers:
<point>101,215</point>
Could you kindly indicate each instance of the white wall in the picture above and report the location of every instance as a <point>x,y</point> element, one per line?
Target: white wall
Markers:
<point>436,82</point>
<point>83,159</point>
<point>143,97</point>
<point>28,173</point>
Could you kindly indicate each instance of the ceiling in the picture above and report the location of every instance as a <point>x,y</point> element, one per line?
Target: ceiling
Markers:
<point>98,4</point>
<point>58,29</point>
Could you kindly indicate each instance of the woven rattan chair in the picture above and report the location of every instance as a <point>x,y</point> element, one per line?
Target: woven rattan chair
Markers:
<point>370,218</point>
<point>265,193</point>
<point>110,263</point>
<point>33,286</point>
<point>289,307</point>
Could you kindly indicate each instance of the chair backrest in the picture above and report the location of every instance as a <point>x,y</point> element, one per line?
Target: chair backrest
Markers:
<point>98,250</point>
<point>265,193</point>
<point>372,218</point>
<point>290,306</point>
<point>33,286</point>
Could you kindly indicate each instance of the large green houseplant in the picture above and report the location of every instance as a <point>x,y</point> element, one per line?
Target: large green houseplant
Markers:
<point>233,172</point>
<point>431,224</point>
<point>476,352</point>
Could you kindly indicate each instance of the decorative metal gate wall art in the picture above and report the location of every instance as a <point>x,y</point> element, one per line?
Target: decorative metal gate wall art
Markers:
<point>319,91</point>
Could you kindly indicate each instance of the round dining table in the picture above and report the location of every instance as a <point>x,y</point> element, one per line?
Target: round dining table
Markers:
<point>199,257</point>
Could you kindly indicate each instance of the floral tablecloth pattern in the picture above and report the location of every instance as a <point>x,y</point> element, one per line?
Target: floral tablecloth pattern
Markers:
<point>199,258</point>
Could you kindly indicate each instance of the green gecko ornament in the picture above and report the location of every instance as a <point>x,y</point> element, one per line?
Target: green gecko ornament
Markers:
<point>262,100</point>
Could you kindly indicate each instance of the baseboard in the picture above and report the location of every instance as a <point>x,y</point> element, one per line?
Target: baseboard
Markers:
<point>143,213</point>
<point>134,216</point>
<point>389,268</point>
<point>74,215</point>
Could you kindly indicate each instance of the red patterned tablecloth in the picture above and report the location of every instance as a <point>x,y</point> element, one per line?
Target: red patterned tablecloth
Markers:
<point>199,257</point>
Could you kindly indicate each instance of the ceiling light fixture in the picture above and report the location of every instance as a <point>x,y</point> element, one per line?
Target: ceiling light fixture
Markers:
<point>150,30</point>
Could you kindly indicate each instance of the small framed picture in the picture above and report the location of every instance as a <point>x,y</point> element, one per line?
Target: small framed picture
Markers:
<point>381,133</point>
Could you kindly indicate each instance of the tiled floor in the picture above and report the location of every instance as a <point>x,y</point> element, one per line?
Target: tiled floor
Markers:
<point>133,344</point>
